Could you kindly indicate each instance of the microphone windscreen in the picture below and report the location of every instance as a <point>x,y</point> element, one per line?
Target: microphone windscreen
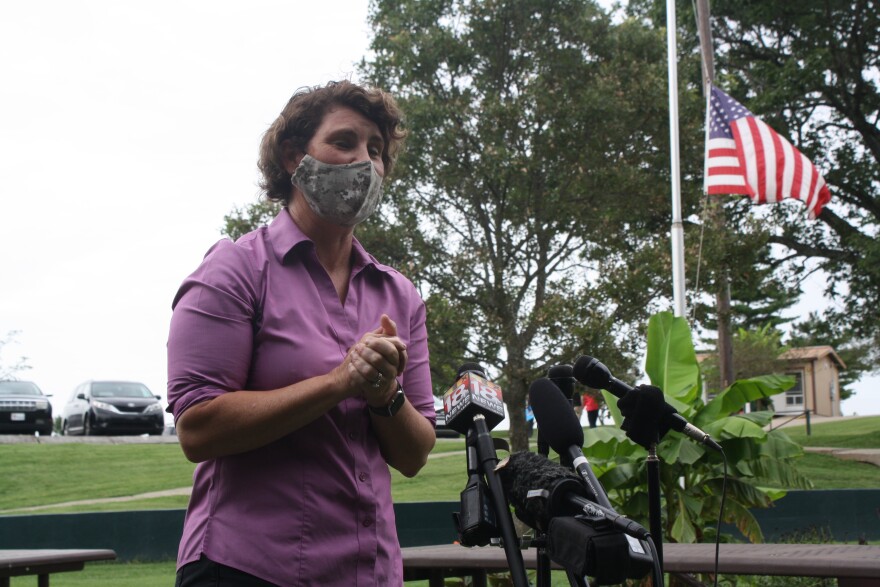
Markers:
<point>556,419</point>
<point>471,368</point>
<point>591,372</point>
<point>563,377</point>
<point>524,472</point>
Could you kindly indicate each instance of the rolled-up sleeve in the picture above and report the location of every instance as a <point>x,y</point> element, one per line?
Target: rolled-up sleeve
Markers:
<point>417,382</point>
<point>212,328</point>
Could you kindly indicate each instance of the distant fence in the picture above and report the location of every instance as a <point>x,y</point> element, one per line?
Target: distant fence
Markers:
<point>847,515</point>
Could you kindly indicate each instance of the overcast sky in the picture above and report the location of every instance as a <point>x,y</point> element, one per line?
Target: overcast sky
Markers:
<point>127,131</point>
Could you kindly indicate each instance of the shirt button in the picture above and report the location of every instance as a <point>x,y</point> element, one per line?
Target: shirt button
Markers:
<point>362,476</point>
<point>368,522</point>
<point>351,435</point>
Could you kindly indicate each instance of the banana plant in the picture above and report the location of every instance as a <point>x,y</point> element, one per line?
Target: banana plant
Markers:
<point>760,464</point>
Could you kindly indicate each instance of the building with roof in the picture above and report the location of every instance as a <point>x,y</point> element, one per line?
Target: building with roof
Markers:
<point>817,385</point>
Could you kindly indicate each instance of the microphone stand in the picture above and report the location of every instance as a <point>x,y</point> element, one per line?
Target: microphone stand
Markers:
<point>542,568</point>
<point>654,510</point>
<point>488,459</point>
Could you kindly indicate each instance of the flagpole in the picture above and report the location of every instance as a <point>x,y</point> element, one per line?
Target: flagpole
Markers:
<point>677,229</point>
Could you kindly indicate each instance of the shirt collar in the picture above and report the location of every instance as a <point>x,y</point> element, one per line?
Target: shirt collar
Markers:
<point>286,237</point>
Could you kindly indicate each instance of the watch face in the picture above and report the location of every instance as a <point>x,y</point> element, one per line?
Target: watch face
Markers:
<point>393,407</point>
<point>397,402</point>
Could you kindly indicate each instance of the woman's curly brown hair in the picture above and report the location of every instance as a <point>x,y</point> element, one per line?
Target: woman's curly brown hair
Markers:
<point>303,115</point>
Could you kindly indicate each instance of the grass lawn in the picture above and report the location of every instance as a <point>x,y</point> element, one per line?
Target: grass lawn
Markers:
<point>849,433</point>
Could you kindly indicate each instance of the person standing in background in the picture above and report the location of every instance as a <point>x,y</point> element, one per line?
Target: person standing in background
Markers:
<point>591,405</point>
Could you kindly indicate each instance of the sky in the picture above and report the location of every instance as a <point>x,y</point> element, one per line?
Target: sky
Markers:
<point>127,131</point>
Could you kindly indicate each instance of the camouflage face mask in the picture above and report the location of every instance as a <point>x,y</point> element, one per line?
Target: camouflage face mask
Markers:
<point>342,194</point>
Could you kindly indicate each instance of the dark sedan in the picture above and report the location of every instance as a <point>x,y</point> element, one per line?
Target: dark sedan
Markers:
<point>24,409</point>
<point>112,407</point>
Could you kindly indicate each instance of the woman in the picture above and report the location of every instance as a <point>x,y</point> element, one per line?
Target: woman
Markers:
<point>298,366</point>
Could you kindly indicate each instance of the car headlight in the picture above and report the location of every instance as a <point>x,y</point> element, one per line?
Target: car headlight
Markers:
<point>104,406</point>
<point>41,404</point>
<point>153,408</point>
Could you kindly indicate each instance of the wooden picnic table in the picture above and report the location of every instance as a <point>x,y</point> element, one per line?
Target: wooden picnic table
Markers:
<point>852,565</point>
<point>43,562</point>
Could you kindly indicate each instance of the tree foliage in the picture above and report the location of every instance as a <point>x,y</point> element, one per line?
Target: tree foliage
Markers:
<point>10,370</point>
<point>813,70</point>
<point>533,188</point>
<point>756,352</point>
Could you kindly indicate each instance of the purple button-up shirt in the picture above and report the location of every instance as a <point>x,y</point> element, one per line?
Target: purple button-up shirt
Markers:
<point>313,508</point>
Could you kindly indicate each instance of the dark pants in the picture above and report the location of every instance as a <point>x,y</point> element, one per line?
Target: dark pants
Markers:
<point>592,417</point>
<point>206,573</point>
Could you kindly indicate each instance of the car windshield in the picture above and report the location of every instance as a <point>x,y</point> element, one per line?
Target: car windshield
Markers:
<point>119,389</point>
<point>19,388</point>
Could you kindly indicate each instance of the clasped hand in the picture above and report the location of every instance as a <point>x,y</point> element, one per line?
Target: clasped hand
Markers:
<point>373,364</point>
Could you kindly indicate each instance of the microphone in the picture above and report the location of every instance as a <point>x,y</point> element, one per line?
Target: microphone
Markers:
<point>472,395</point>
<point>583,537</point>
<point>473,406</point>
<point>592,373</point>
<point>541,490</point>
<point>562,431</point>
<point>563,377</point>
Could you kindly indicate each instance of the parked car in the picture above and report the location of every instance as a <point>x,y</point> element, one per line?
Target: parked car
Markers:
<point>112,407</point>
<point>441,430</point>
<point>24,409</point>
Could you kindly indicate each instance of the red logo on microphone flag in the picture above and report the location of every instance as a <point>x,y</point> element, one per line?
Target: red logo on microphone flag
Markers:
<point>745,156</point>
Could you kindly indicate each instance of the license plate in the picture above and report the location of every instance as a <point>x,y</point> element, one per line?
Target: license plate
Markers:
<point>16,417</point>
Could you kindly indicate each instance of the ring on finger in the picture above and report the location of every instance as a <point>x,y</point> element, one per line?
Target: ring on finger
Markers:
<point>378,382</point>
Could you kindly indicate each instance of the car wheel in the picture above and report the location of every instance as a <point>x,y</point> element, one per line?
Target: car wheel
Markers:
<point>87,426</point>
<point>65,430</point>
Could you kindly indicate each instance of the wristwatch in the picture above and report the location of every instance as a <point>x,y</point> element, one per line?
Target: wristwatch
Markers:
<point>393,406</point>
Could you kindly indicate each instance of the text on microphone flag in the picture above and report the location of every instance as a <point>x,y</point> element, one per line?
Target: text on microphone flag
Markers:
<point>477,393</point>
<point>745,156</point>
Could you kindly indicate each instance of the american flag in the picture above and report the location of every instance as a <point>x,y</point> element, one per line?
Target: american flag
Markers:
<point>745,156</point>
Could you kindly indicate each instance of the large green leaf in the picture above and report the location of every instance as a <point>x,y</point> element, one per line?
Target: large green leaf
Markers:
<point>671,362</point>
<point>742,392</point>
<point>779,446</point>
<point>679,449</point>
<point>744,520</point>
<point>734,427</point>
<point>683,528</point>
<point>779,473</point>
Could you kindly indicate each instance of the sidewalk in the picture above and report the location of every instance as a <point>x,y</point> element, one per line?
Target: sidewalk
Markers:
<point>863,455</point>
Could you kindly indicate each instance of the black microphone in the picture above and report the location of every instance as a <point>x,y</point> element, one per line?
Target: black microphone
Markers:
<point>563,432</point>
<point>563,377</point>
<point>592,373</point>
<point>471,395</point>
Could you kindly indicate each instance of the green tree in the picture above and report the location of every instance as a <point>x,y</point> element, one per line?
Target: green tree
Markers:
<point>755,353</point>
<point>533,185</point>
<point>11,370</point>
<point>811,70</point>
<point>244,219</point>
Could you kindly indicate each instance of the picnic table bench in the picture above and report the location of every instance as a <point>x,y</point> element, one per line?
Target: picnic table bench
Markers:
<point>852,565</point>
<point>43,562</point>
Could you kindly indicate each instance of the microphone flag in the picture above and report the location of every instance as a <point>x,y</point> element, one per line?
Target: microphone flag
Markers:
<point>470,395</point>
